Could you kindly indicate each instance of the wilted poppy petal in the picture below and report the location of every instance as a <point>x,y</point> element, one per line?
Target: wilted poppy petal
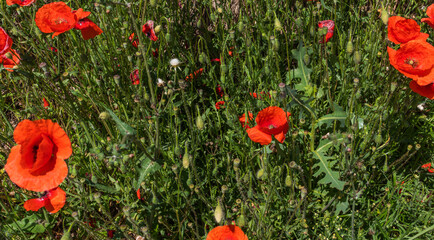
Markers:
<point>10,60</point>
<point>228,232</point>
<point>53,201</point>
<point>425,91</point>
<point>258,136</point>
<point>148,29</point>
<point>88,28</point>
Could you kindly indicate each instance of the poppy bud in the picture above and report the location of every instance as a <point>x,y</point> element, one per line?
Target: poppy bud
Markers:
<point>157,29</point>
<point>306,59</point>
<point>277,25</point>
<point>117,78</point>
<point>212,17</point>
<point>218,212</point>
<point>202,58</point>
<point>199,122</point>
<point>94,179</point>
<point>378,139</point>
<point>350,47</point>
<point>186,161</point>
<point>288,181</point>
<point>104,115</point>
<point>303,191</point>
<point>240,26</point>
<point>97,197</point>
<point>219,10</point>
<point>409,147</point>
<point>393,86</point>
<point>260,173</point>
<point>199,23</point>
<point>224,189</point>
<point>384,16</point>
<point>232,34</point>
<point>299,22</point>
<point>241,221</point>
<point>146,96</point>
<point>237,162</point>
<point>168,37</point>
<point>153,3</point>
<point>357,57</point>
<point>385,167</point>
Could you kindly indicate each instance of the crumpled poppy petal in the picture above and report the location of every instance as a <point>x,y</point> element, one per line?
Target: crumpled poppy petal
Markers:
<point>5,42</point>
<point>425,91</point>
<point>258,136</point>
<point>228,232</point>
<point>88,29</point>
<point>53,201</point>
<point>58,136</point>
<point>10,60</point>
<point>402,30</point>
<point>34,204</point>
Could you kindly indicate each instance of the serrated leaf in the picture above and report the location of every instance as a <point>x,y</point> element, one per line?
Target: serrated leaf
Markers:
<point>302,71</point>
<point>330,176</point>
<point>123,128</point>
<point>342,207</point>
<point>338,115</point>
<point>148,167</point>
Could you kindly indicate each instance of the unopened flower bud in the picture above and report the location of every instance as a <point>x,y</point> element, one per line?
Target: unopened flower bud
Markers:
<point>157,29</point>
<point>277,25</point>
<point>288,181</point>
<point>104,115</point>
<point>384,16</point>
<point>357,57</point>
<point>260,173</point>
<point>199,122</point>
<point>218,212</point>
<point>350,47</point>
<point>241,221</point>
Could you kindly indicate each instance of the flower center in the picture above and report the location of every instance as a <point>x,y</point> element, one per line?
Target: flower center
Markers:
<point>271,126</point>
<point>60,21</point>
<point>412,62</point>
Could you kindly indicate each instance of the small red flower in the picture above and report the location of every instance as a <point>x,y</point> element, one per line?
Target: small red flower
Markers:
<point>425,91</point>
<point>228,232</point>
<point>134,40</point>
<point>216,60</point>
<point>219,91</point>
<point>430,13</point>
<point>428,167</point>
<point>19,2</point>
<point>194,75</point>
<point>271,121</point>
<point>402,30</point>
<point>53,49</point>
<point>155,53</point>
<point>135,78</point>
<point>259,96</point>
<point>148,29</point>
<point>110,233</point>
<point>219,104</point>
<point>5,42</point>
<point>330,25</point>
<point>138,193</point>
<point>10,60</point>
<point>46,103</point>
<point>53,201</point>
<point>244,120</point>
<point>88,28</point>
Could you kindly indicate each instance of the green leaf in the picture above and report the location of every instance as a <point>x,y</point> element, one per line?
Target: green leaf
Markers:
<point>337,115</point>
<point>124,128</point>
<point>302,71</point>
<point>148,167</point>
<point>101,187</point>
<point>28,224</point>
<point>325,163</point>
<point>342,206</point>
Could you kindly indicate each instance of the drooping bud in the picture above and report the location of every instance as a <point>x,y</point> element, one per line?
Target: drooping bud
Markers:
<point>350,47</point>
<point>288,181</point>
<point>378,139</point>
<point>199,23</point>
<point>186,157</point>
<point>357,57</point>
<point>260,173</point>
<point>277,24</point>
<point>157,29</point>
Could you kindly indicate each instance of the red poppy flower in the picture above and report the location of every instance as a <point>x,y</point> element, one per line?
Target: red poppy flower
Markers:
<point>259,96</point>
<point>37,163</point>
<point>270,121</point>
<point>55,17</point>
<point>53,49</point>
<point>19,2</point>
<point>110,233</point>
<point>46,103</point>
<point>148,29</point>
<point>88,28</point>
<point>10,60</point>
<point>194,75</point>
<point>138,193</point>
<point>330,25</point>
<point>428,167</point>
<point>244,120</point>
<point>5,42</point>
<point>430,13</point>
<point>216,60</point>
<point>219,91</point>
<point>415,60</point>
<point>134,76</point>
<point>228,232</point>
<point>53,201</point>
<point>402,30</point>
<point>218,104</point>
<point>425,91</point>
<point>155,53</point>
<point>134,40</point>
